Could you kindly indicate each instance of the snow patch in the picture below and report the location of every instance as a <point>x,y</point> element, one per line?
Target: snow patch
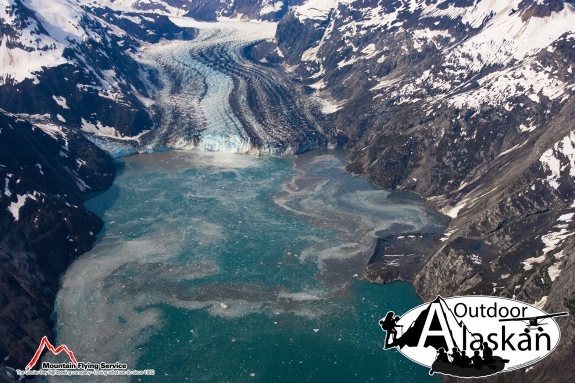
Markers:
<point>269,7</point>
<point>529,262</point>
<point>453,211</point>
<point>7,191</point>
<point>554,271</point>
<point>552,240</point>
<point>498,87</point>
<point>54,131</point>
<point>61,101</point>
<point>14,207</point>
<point>326,106</point>
<point>314,9</point>
<point>505,36</point>
<point>18,64</point>
<point>541,303</point>
<point>447,235</point>
<point>530,128</point>
<point>100,129</point>
<point>558,158</point>
<point>512,149</point>
<point>474,258</point>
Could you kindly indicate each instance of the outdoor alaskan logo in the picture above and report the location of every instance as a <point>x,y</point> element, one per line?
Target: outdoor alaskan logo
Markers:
<point>472,336</point>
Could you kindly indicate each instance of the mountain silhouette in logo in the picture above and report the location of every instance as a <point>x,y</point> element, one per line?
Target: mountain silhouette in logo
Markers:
<point>45,343</point>
<point>434,327</point>
<point>412,335</point>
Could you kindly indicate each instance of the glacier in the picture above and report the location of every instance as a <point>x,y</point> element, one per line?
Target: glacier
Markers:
<point>213,98</point>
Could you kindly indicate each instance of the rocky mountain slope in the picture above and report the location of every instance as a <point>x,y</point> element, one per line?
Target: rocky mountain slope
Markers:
<point>470,104</point>
<point>45,170</point>
<point>75,73</point>
<point>71,64</point>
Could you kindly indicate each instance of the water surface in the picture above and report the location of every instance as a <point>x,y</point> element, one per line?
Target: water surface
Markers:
<point>218,267</point>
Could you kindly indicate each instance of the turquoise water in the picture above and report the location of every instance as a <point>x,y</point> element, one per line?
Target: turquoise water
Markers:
<point>229,268</point>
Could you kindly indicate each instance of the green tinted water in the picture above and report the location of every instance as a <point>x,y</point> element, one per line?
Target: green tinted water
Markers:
<point>217,267</point>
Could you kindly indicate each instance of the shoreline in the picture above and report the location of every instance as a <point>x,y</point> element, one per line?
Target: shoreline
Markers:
<point>148,181</point>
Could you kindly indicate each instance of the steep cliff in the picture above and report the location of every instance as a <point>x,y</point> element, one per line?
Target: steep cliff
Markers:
<point>45,172</point>
<point>469,104</point>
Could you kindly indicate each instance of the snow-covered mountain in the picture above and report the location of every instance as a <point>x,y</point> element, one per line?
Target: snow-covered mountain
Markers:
<point>70,64</point>
<point>469,103</point>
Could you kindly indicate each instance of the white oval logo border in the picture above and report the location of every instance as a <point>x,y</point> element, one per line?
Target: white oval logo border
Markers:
<point>424,305</point>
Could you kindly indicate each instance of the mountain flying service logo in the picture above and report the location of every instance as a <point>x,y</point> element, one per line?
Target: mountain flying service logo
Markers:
<point>73,367</point>
<point>45,343</point>
<point>472,336</point>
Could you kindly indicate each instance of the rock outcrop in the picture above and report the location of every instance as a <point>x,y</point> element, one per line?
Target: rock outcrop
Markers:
<point>45,171</point>
<point>469,104</point>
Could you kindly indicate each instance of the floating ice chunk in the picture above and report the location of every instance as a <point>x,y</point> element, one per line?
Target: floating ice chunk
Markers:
<point>302,296</point>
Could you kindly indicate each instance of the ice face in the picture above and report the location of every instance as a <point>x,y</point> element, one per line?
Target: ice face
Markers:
<point>201,248</point>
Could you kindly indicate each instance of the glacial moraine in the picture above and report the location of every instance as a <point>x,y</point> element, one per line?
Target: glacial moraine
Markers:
<point>211,94</point>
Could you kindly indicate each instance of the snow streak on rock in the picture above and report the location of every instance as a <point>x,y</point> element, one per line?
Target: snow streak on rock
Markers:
<point>559,159</point>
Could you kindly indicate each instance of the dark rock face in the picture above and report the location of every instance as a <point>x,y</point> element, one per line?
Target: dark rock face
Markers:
<point>485,134</point>
<point>100,85</point>
<point>43,224</point>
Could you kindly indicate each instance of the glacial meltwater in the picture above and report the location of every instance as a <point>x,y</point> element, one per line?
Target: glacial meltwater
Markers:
<point>217,267</point>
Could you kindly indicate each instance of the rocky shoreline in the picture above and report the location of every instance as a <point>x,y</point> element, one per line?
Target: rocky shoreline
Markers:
<point>43,224</point>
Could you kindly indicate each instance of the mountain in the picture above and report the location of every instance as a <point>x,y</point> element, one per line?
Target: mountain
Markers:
<point>45,171</point>
<point>468,103</point>
<point>71,64</point>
